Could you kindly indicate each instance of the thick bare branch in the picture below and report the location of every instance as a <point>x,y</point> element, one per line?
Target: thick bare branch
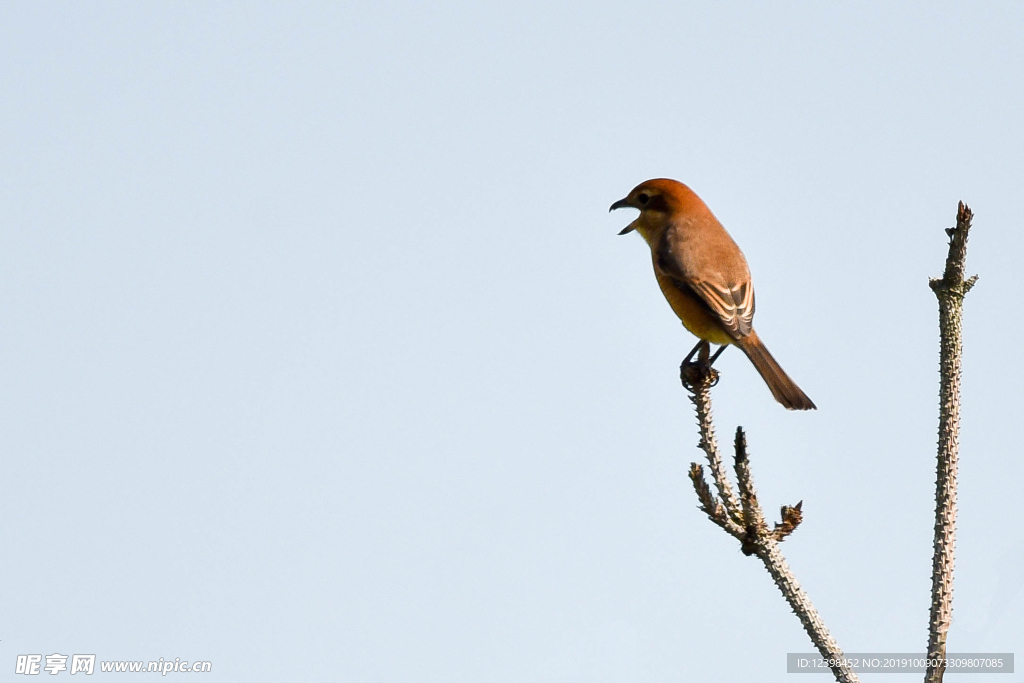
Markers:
<point>768,551</point>
<point>950,290</point>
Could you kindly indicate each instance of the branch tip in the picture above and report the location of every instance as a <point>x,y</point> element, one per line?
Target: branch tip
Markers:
<point>791,518</point>
<point>741,445</point>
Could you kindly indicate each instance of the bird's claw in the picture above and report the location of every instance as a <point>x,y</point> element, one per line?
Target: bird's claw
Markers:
<point>697,373</point>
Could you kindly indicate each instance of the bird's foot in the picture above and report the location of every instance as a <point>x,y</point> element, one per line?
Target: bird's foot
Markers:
<point>697,373</point>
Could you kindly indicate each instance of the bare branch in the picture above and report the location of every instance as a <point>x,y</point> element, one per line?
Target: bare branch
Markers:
<point>698,380</point>
<point>950,290</point>
<point>711,505</point>
<point>750,528</point>
<point>775,563</point>
<point>752,517</point>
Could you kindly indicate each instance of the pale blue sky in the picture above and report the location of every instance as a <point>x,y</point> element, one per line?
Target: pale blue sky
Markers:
<point>321,359</point>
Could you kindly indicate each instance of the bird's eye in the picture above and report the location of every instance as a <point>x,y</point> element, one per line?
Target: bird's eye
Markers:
<point>643,197</point>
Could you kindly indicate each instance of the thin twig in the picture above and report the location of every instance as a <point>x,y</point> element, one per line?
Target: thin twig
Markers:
<point>950,290</point>
<point>711,505</point>
<point>754,520</point>
<point>699,379</point>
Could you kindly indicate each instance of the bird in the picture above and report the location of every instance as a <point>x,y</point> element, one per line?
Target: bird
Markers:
<point>705,277</point>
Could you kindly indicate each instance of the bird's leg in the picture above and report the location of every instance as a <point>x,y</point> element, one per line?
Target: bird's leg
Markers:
<point>693,352</point>
<point>717,354</point>
<point>702,355</point>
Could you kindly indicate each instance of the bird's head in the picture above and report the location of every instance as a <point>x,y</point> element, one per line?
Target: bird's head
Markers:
<point>658,200</point>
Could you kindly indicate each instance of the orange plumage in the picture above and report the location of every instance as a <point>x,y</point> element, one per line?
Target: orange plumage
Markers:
<point>704,276</point>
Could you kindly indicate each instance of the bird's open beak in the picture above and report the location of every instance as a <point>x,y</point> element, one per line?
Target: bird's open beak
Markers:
<point>623,204</point>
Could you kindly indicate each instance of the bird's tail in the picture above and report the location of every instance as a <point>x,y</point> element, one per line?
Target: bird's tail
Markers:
<point>782,387</point>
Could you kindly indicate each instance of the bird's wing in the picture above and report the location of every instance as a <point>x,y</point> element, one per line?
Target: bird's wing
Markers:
<point>733,304</point>
<point>730,298</point>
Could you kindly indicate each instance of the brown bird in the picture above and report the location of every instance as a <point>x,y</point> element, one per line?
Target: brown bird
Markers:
<point>705,277</point>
